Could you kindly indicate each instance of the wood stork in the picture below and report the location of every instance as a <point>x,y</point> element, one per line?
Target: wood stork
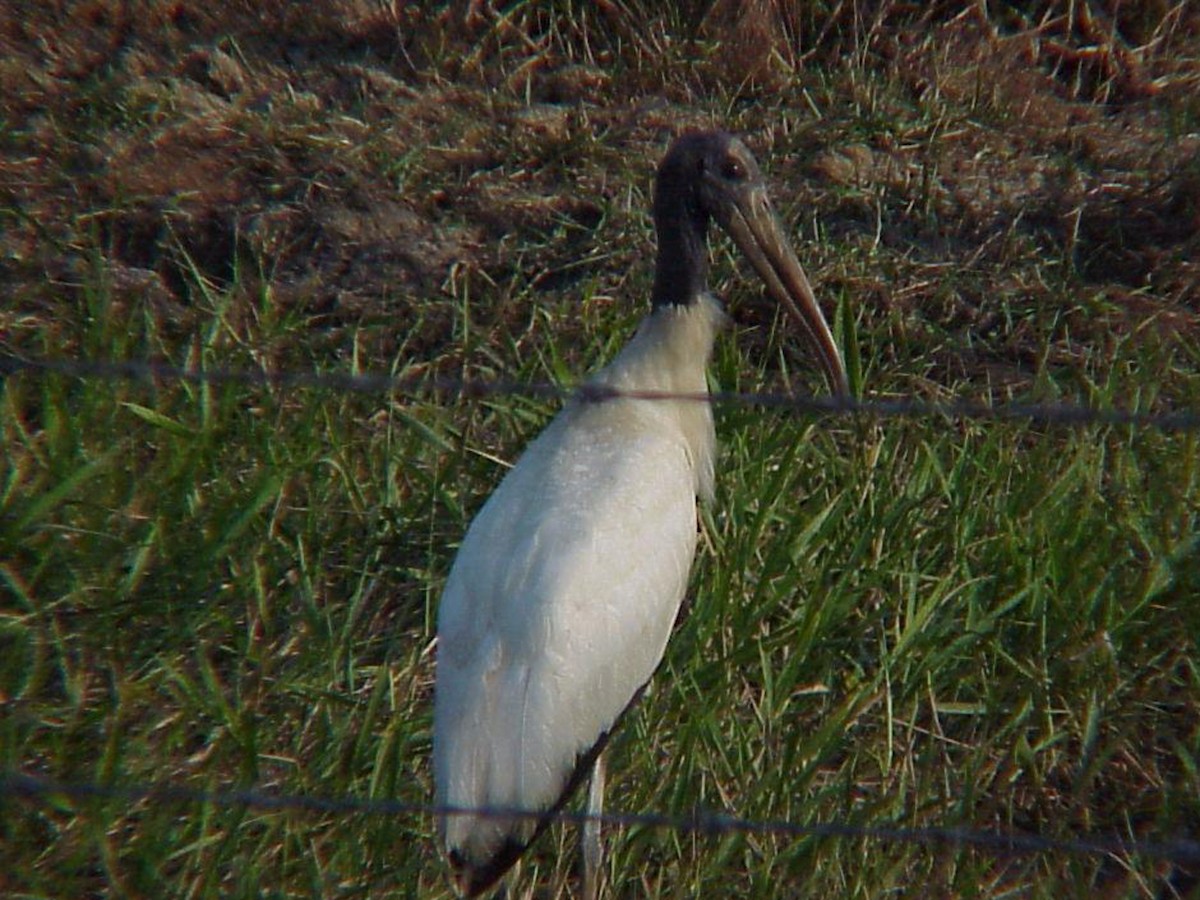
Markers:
<point>559,603</point>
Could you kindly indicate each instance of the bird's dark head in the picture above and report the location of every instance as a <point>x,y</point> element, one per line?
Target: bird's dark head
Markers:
<point>702,174</point>
<point>711,175</point>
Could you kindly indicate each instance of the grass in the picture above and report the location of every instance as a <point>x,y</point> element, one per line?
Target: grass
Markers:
<point>915,623</point>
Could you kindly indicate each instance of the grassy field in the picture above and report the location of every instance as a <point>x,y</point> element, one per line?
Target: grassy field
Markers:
<point>918,622</point>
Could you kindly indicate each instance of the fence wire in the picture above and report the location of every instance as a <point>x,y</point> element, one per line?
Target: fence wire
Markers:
<point>1180,851</point>
<point>414,386</point>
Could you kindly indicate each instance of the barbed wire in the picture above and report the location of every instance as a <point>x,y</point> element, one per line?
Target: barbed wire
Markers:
<point>1179,851</point>
<point>476,388</point>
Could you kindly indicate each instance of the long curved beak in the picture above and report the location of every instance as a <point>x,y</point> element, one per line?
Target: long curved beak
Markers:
<point>751,222</point>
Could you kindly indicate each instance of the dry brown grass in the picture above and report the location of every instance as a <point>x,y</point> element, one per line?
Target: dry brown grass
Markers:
<point>363,152</point>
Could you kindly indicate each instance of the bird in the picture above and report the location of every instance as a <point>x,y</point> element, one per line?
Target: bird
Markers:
<point>565,588</point>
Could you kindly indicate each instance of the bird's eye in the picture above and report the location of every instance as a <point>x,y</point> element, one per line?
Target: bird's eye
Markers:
<point>733,169</point>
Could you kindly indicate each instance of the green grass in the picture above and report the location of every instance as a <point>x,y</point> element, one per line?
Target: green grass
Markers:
<point>904,622</point>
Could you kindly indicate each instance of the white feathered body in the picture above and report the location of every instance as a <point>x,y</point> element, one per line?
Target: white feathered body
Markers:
<point>565,589</point>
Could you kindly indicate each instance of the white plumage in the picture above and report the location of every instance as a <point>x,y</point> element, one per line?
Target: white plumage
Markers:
<point>565,589</point>
<point>525,688</point>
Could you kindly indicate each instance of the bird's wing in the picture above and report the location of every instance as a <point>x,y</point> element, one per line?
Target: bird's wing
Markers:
<point>557,610</point>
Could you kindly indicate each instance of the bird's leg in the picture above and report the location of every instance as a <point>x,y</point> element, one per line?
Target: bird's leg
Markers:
<point>590,836</point>
<point>507,889</point>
